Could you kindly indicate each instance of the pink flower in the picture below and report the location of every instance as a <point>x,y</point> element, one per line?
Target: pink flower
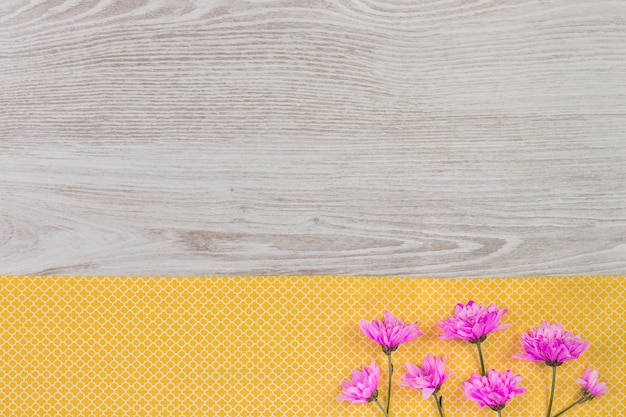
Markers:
<point>429,378</point>
<point>390,332</point>
<point>364,385</point>
<point>551,344</point>
<point>590,385</point>
<point>493,390</point>
<point>472,322</point>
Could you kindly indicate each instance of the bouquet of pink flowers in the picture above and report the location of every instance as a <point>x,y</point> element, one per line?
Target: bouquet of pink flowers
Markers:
<point>549,344</point>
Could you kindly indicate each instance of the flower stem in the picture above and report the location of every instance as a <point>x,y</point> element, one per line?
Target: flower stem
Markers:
<point>381,408</point>
<point>438,402</point>
<point>578,401</point>
<point>552,391</point>
<point>389,383</point>
<point>499,413</point>
<point>482,361</point>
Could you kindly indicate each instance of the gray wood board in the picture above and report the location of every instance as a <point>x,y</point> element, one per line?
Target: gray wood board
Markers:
<point>414,138</point>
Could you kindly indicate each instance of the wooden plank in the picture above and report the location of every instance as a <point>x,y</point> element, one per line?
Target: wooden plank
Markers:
<point>438,138</point>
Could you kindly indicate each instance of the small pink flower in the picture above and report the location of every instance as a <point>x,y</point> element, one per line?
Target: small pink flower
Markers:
<point>429,378</point>
<point>472,322</point>
<point>493,390</point>
<point>590,385</point>
<point>390,332</point>
<point>364,385</point>
<point>551,344</point>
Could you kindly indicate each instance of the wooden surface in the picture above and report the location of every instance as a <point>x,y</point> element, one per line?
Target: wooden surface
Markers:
<point>421,138</point>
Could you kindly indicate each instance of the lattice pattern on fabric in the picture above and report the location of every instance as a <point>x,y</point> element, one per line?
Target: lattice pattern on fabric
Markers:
<point>280,346</point>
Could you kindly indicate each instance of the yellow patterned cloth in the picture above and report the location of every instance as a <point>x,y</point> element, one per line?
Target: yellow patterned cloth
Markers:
<point>280,346</point>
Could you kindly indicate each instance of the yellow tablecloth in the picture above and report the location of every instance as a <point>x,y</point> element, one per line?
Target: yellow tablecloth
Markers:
<point>280,346</point>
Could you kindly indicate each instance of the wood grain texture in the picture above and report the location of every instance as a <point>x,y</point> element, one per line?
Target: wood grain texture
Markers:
<point>400,137</point>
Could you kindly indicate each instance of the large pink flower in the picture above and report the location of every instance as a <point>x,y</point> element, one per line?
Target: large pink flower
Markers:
<point>551,344</point>
<point>363,387</point>
<point>590,385</point>
<point>472,322</point>
<point>390,332</point>
<point>429,378</point>
<point>493,390</point>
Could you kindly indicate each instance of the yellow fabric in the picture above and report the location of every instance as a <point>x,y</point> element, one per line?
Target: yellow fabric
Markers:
<point>280,346</point>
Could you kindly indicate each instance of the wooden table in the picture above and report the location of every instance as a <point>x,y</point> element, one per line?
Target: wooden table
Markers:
<point>420,138</point>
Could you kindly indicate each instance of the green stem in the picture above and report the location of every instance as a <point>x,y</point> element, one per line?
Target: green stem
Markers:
<point>389,383</point>
<point>381,408</point>
<point>499,413</point>
<point>578,401</point>
<point>437,401</point>
<point>552,391</point>
<point>482,361</point>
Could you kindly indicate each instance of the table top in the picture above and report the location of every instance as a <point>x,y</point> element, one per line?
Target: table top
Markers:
<point>438,138</point>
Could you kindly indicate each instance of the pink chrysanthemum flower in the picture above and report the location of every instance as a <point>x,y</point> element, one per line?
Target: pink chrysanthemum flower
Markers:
<point>363,387</point>
<point>390,332</point>
<point>551,344</point>
<point>429,378</point>
<point>493,390</point>
<point>472,322</point>
<point>590,385</point>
